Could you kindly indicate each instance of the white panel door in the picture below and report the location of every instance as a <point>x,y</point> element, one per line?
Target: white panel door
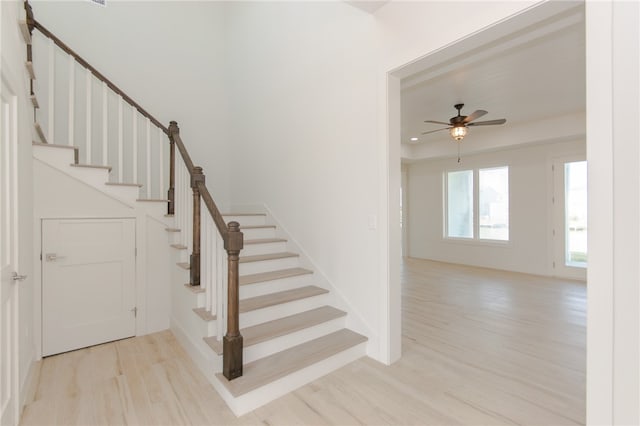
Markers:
<point>8,259</point>
<point>88,285</point>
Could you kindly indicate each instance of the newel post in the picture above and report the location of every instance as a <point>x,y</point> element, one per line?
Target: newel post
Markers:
<point>232,341</point>
<point>196,178</point>
<point>173,128</point>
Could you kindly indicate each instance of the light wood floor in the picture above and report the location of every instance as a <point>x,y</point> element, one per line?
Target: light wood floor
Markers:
<point>480,347</point>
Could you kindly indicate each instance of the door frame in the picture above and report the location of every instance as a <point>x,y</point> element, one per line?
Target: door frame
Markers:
<point>7,92</point>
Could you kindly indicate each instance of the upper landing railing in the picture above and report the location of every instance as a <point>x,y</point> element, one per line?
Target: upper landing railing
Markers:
<point>108,136</point>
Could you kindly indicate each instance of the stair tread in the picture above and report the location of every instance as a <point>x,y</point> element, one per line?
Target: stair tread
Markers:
<point>29,65</point>
<point>270,256</point>
<point>265,241</point>
<point>276,366</point>
<point>91,166</point>
<point>153,200</point>
<point>53,145</point>
<point>244,214</point>
<point>204,314</point>
<point>37,126</point>
<point>256,226</point>
<point>184,265</point>
<point>172,229</point>
<point>280,327</point>
<point>139,185</point>
<point>273,275</point>
<point>194,288</point>
<point>179,246</point>
<point>264,301</point>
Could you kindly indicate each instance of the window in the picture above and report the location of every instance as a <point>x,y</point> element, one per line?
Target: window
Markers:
<point>486,219</point>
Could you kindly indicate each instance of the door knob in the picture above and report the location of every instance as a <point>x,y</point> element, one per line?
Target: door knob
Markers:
<point>52,257</point>
<point>17,277</point>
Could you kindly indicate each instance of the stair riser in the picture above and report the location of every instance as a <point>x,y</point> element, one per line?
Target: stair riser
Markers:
<point>57,157</point>
<point>246,220</point>
<point>91,176</point>
<point>256,249</point>
<point>127,193</point>
<point>62,158</point>
<point>247,319</point>
<point>268,287</point>
<point>268,265</point>
<point>155,209</point>
<point>278,344</point>
<point>254,234</point>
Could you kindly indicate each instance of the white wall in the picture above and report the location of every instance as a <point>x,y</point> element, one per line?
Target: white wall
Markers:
<point>529,248</point>
<point>308,86</point>
<point>303,82</point>
<point>13,56</point>
<point>168,56</point>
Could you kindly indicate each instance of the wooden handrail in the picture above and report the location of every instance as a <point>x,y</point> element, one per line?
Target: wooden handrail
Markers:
<point>174,135</point>
<point>231,234</point>
<point>98,74</point>
<point>213,210</point>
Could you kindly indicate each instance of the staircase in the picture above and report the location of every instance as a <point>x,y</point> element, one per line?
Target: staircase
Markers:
<point>247,304</point>
<point>292,331</point>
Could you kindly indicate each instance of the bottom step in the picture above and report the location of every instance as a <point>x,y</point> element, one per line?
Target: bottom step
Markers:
<point>289,369</point>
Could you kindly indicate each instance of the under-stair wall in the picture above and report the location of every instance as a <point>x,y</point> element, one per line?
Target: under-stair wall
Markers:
<point>61,194</point>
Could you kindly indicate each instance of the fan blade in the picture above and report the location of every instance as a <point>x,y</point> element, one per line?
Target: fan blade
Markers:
<point>437,122</point>
<point>433,131</point>
<point>475,114</point>
<point>488,123</point>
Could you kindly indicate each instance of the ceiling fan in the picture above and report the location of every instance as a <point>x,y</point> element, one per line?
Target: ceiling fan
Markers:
<point>457,125</point>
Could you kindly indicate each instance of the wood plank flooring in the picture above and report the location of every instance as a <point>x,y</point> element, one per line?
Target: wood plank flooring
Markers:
<point>480,347</point>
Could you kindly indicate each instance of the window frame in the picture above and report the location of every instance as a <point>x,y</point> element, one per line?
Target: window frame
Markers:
<point>475,238</point>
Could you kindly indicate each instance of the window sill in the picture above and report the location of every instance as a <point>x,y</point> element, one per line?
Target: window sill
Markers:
<point>476,242</point>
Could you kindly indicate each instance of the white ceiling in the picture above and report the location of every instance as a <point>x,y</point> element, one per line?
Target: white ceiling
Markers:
<point>535,75</point>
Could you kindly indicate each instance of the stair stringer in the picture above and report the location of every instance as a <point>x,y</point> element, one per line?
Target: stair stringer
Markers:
<point>354,320</point>
<point>62,160</point>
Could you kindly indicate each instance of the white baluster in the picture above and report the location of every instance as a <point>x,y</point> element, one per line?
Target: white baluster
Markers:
<point>72,98</point>
<point>120,140</point>
<point>148,158</point>
<point>161,163</point>
<point>105,124</point>
<point>134,121</point>
<point>88,114</point>
<point>52,91</point>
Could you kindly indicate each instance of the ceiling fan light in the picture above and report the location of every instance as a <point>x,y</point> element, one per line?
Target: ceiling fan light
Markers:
<point>458,132</point>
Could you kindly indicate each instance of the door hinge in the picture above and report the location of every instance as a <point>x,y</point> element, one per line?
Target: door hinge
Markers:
<point>135,311</point>
<point>554,264</point>
<point>553,168</point>
<point>40,256</point>
<point>135,252</point>
<point>553,232</point>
